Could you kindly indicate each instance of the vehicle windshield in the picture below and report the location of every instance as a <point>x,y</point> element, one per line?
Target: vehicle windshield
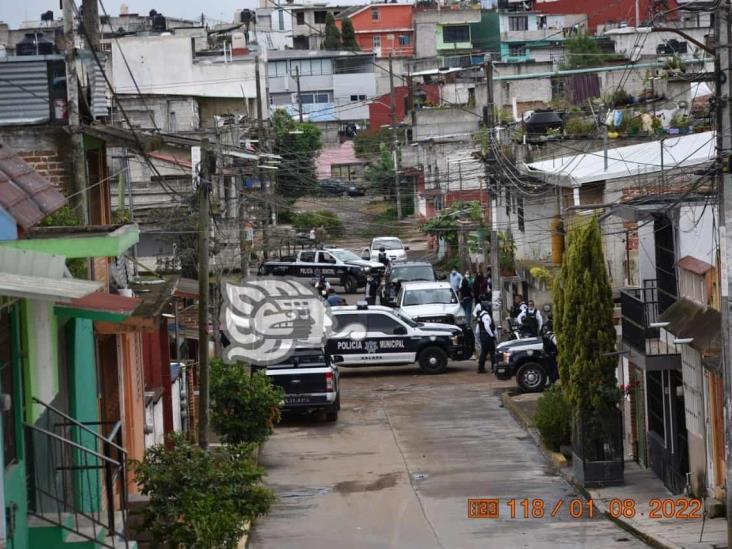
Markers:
<point>442,296</point>
<point>387,243</point>
<point>421,272</point>
<point>405,318</point>
<point>345,255</point>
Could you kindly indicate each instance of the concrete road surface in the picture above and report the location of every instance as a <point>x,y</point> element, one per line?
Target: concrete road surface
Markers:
<point>398,466</point>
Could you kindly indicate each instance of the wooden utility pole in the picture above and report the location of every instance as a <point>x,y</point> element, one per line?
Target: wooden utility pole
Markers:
<point>299,97</point>
<point>258,83</point>
<point>395,141</point>
<point>78,172</point>
<point>723,68</point>
<point>90,17</point>
<point>208,167</point>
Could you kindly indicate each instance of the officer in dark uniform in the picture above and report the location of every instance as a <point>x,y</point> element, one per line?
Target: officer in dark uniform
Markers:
<point>372,288</point>
<point>383,258</point>
<point>486,329</point>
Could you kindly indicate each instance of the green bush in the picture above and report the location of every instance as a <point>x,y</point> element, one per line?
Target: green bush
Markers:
<point>244,408</point>
<point>327,219</point>
<point>553,415</point>
<point>199,498</point>
<point>579,126</point>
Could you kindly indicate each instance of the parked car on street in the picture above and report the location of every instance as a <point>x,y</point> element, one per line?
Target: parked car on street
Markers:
<point>533,360</point>
<point>436,302</point>
<point>341,188</point>
<point>393,246</point>
<point>310,381</point>
<point>398,273</point>
<point>368,335</point>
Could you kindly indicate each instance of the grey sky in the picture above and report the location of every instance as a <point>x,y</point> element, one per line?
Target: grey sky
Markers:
<point>14,12</point>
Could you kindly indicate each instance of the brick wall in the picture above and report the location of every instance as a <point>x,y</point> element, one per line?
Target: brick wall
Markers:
<point>50,164</point>
<point>101,271</point>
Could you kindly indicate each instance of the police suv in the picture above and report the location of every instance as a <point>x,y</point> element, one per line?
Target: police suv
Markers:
<point>337,265</point>
<point>366,335</point>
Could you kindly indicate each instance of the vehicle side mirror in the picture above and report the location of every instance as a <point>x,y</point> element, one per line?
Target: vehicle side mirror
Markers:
<point>400,330</point>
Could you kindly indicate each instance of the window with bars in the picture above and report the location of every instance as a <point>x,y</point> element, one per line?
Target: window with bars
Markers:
<point>518,23</point>
<point>320,17</point>
<point>654,397</point>
<point>374,14</point>
<point>456,33</point>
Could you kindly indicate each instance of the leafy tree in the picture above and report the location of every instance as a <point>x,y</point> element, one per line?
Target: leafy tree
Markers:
<point>446,224</point>
<point>348,36</point>
<point>583,323</point>
<point>326,218</point>
<point>583,51</point>
<point>200,498</point>
<point>297,144</point>
<point>332,39</point>
<point>380,172</point>
<point>244,408</point>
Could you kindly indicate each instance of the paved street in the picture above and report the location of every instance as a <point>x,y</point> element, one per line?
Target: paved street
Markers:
<point>398,466</point>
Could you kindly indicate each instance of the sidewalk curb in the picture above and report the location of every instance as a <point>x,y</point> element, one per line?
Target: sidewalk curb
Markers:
<point>560,465</point>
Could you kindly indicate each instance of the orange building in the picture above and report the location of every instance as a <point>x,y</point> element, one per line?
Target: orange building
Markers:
<point>384,29</point>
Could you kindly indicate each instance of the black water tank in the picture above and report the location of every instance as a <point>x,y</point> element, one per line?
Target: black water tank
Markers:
<point>34,44</point>
<point>158,22</point>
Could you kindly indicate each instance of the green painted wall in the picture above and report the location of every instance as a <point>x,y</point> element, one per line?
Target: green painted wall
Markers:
<point>83,405</point>
<point>446,47</point>
<point>39,331</point>
<point>486,35</point>
<point>14,487</point>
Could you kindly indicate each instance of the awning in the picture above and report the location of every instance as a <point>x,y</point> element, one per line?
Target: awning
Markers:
<point>82,241</point>
<point>52,289</point>
<point>100,306</point>
<point>699,323</point>
<point>630,161</point>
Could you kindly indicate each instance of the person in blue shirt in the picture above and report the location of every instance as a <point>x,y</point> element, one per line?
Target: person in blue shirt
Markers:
<point>334,300</point>
<point>456,279</point>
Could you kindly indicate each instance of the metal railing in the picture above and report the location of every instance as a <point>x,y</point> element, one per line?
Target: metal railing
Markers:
<point>639,309</point>
<point>77,476</point>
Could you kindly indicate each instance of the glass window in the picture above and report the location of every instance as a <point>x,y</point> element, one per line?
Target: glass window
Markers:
<point>321,97</point>
<point>351,322</point>
<point>404,40</point>
<point>374,14</point>
<point>456,33</point>
<point>516,49</point>
<point>387,243</point>
<point>326,66</point>
<point>300,17</point>
<point>518,23</point>
<point>380,322</point>
<point>377,41</point>
<point>320,17</point>
<point>406,274</point>
<point>325,257</point>
<point>308,257</point>
<point>444,296</point>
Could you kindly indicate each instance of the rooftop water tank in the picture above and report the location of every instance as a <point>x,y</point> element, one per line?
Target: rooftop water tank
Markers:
<point>34,44</point>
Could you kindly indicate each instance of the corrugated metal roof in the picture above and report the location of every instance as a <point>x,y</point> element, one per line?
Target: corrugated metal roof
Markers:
<point>52,289</point>
<point>24,92</point>
<point>29,263</point>
<point>26,195</point>
<point>100,103</point>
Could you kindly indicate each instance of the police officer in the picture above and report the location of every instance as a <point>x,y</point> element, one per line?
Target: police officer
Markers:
<point>486,330</point>
<point>530,320</point>
<point>383,258</point>
<point>372,288</point>
<point>322,287</point>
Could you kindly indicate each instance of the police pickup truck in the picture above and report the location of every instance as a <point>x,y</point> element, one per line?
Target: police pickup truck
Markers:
<point>309,380</point>
<point>366,335</point>
<point>337,265</point>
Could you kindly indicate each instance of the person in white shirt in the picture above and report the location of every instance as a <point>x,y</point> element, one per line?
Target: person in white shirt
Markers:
<point>487,330</point>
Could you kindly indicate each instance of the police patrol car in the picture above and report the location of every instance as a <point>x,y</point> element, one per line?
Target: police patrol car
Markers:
<point>373,336</point>
<point>337,265</point>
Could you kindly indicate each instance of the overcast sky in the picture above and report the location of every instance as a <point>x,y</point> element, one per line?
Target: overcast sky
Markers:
<point>14,12</point>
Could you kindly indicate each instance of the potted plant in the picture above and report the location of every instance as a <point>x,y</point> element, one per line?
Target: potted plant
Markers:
<point>583,307</point>
<point>679,124</point>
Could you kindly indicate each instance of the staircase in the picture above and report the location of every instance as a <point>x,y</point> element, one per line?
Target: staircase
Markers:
<point>79,533</point>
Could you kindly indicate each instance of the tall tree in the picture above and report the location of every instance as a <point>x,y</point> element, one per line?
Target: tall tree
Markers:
<point>583,323</point>
<point>332,34</point>
<point>583,51</point>
<point>348,35</point>
<point>297,144</point>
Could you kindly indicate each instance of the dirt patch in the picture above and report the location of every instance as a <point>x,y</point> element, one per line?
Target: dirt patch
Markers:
<point>386,480</point>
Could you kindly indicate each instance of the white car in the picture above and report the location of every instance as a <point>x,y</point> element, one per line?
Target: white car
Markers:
<point>393,246</point>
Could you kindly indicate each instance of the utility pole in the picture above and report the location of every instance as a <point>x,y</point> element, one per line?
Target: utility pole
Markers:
<point>395,141</point>
<point>79,198</point>
<point>90,17</point>
<point>722,67</point>
<point>495,191</point>
<point>299,97</point>
<point>208,166</point>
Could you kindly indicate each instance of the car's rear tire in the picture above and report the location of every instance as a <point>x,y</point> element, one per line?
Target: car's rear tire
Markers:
<point>350,284</point>
<point>432,360</point>
<point>531,378</point>
<point>332,413</point>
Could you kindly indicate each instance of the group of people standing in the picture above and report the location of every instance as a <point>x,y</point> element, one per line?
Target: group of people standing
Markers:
<point>470,288</point>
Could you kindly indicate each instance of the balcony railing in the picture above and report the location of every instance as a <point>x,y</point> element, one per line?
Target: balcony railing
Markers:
<point>77,476</point>
<point>639,309</point>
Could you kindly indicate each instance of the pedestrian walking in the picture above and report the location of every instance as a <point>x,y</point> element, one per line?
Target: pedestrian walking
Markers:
<point>466,296</point>
<point>486,332</point>
<point>456,279</point>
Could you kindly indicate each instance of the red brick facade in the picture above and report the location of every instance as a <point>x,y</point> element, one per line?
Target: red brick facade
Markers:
<point>50,164</point>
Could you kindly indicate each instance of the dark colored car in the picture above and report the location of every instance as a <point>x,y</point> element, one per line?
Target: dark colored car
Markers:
<point>337,187</point>
<point>310,381</point>
<point>539,122</point>
<point>533,360</point>
<point>407,271</point>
